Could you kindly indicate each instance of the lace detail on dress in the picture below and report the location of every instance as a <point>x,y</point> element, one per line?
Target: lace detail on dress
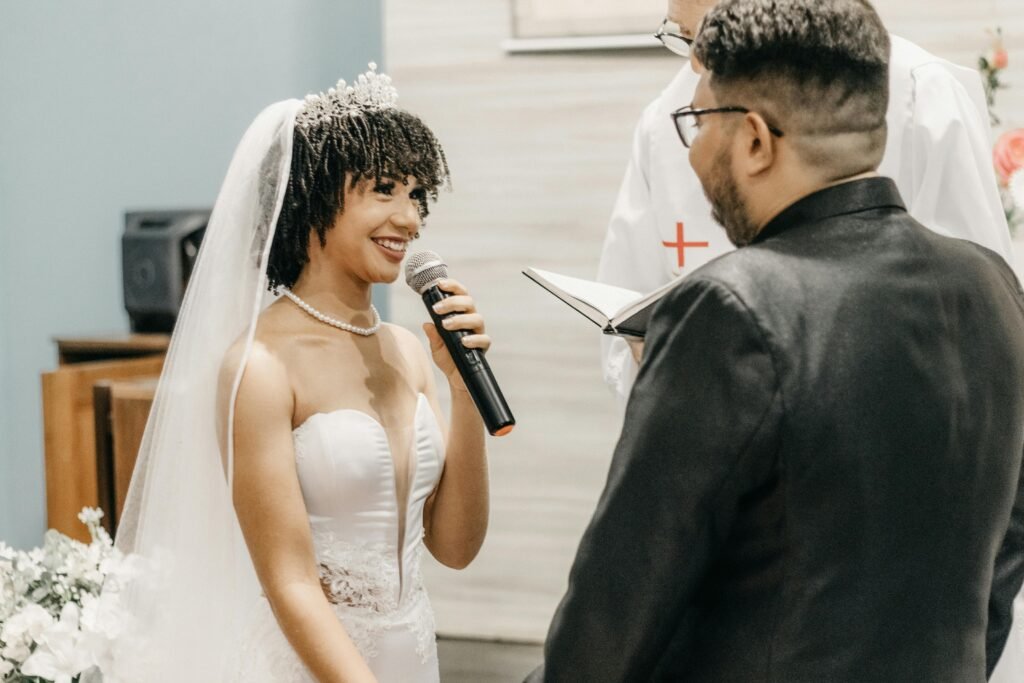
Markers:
<point>360,576</point>
<point>423,627</point>
<point>361,580</point>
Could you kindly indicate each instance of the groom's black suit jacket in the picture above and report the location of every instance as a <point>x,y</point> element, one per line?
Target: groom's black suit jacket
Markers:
<point>819,474</point>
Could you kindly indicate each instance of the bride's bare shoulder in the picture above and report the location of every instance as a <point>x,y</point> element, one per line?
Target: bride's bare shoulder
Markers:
<point>263,378</point>
<point>260,361</point>
<point>265,352</point>
<point>264,392</point>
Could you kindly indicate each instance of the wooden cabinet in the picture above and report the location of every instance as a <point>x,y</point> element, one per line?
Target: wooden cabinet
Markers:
<point>121,408</point>
<point>69,422</point>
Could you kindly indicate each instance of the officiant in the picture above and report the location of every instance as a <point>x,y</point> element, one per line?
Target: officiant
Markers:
<point>819,474</point>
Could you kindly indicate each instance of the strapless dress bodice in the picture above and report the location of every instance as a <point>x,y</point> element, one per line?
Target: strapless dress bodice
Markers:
<point>369,563</point>
<point>348,478</point>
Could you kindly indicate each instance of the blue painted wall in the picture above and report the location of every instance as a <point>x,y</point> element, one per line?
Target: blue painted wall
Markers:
<point>119,104</point>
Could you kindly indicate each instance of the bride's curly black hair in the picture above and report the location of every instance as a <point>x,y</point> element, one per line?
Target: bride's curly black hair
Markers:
<point>384,143</point>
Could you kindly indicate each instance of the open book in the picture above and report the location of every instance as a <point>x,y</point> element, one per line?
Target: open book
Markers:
<point>615,310</point>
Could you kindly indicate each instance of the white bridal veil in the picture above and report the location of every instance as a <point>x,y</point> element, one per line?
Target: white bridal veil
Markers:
<point>198,582</point>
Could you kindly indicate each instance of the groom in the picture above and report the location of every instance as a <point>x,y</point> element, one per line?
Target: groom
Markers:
<point>819,474</point>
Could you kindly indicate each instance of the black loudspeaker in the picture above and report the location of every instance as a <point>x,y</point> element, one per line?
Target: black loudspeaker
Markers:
<point>158,252</point>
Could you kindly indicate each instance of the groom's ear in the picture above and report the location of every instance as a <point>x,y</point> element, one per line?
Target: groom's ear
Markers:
<point>759,150</point>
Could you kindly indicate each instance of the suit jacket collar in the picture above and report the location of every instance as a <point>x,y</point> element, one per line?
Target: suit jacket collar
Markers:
<point>846,198</point>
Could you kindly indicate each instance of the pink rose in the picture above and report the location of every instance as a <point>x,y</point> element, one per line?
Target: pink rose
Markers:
<point>1008,154</point>
<point>1000,58</point>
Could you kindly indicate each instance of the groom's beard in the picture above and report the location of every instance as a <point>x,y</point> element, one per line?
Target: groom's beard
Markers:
<point>727,206</point>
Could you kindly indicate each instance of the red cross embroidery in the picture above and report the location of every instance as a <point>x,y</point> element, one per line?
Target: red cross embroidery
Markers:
<point>680,244</point>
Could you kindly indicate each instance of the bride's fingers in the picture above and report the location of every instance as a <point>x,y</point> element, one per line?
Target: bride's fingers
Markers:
<point>461,303</point>
<point>470,341</point>
<point>465,321</point>
<point>477,341</point>
<point>452,286</point>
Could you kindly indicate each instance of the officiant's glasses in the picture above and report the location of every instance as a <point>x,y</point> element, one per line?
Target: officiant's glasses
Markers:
<point>687,117</point>
<point>671,36</point>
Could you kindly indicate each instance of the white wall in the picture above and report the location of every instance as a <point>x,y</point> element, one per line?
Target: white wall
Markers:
<point>118,104</point>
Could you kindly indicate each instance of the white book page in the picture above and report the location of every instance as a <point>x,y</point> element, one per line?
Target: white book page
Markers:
<point>644,301</point>
<point>607,299</point>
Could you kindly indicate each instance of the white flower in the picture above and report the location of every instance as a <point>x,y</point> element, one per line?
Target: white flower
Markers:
<point>28,624</point>
<point>89,516</point>
<point>102,615</point>
<point>62,652</point>
<point>16,651</point>
<point>28,570</point>
<point>120,570</point>
<point>80,568</point>
<point>102,624</point>
<point>86,580</point>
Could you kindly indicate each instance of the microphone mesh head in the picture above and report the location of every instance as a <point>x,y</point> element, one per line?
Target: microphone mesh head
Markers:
<point>423,269</point>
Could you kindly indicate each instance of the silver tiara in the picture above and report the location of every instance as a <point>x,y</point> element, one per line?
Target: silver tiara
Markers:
<point>371,92</point>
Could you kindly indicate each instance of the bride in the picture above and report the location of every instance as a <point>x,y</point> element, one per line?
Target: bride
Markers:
<point>322,422</point>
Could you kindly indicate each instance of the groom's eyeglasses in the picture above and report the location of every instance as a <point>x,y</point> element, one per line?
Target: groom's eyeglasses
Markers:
<point>687,120</point>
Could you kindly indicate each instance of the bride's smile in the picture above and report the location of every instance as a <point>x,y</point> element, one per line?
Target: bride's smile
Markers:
<point>370,237</point>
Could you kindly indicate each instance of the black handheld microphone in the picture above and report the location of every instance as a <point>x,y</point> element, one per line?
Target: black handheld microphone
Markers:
<point>422,272</point>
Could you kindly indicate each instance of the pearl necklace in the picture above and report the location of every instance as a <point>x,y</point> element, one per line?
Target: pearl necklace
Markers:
<point>364,331</point>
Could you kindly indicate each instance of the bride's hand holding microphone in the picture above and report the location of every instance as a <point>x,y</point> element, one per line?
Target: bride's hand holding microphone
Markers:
<point>458,313</point>
<point>457,512</point>
<point>457,338</point>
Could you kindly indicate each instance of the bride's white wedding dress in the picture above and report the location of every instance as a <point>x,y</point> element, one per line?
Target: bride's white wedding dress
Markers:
<point>368,547</point>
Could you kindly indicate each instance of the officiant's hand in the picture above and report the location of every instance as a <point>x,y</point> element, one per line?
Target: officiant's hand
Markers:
<point>636,347</point>
<point>467,318</point>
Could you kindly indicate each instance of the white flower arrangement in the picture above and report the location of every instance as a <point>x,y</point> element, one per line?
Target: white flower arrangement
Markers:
<point>1008,152</point>
<point>55,625</point>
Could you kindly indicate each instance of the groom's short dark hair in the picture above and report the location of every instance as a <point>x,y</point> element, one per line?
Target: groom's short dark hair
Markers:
<point>819,67</point>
